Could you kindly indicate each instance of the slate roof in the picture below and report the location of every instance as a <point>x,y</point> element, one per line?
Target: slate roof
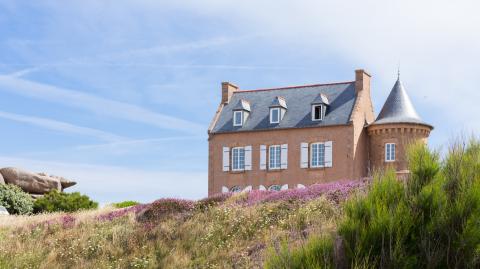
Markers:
<point>298,115</point>
<point>398,108</point>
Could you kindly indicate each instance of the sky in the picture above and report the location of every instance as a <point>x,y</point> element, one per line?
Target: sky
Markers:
<point>118,95</point>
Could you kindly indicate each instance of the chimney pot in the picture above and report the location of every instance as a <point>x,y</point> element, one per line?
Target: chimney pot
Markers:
<point>362,80</point>
<point>227,91</point>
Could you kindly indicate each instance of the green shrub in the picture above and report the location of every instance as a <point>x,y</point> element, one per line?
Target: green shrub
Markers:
<point>125,204</point>
<point>55,201</point>
<point>430,221</point>
<point>15,200</point>
<point>318,252</point>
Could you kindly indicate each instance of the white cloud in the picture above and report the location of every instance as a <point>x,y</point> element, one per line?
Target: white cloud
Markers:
<point>62,126</point>
<point>99,105</point>
<point>134,144</point>
<point>112,184</point>
<point>436,42</point>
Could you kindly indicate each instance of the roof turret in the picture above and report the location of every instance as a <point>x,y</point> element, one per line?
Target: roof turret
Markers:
<point>398,108</point>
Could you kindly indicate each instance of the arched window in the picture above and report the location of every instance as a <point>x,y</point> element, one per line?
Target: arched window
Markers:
<point>236,189</point>
<point>275,188</point>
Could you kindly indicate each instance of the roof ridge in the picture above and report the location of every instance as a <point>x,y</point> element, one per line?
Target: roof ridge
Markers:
<point>293,87</point>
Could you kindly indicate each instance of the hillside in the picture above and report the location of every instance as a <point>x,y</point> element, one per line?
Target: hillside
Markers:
<point>223,231</point>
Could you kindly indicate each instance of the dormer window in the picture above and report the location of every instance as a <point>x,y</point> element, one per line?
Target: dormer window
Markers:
<point>241,111</point>
<point>317,112</point>
<point>275,115</point>
<point>237,118</point>
<point>278,108</point>
<point>319,107</point>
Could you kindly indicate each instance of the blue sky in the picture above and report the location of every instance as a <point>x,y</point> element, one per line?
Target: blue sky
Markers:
<point>118,95</point>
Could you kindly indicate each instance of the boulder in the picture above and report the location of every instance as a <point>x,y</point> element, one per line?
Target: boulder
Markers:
<point>63,181</point>
<point>30,182</point>
<point>2,181</point>
<point>3,211</point>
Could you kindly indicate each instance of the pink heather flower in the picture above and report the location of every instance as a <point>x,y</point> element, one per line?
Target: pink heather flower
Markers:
<point>337,191</point>
<point>121,212</point>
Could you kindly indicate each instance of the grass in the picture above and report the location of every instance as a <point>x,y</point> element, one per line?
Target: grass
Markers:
<point>219,232</point>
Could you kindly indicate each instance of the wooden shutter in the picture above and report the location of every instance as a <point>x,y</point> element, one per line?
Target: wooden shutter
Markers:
<point>226,159</point>
<point>303,155</point>
<point>248,158</point>
<point>263,157</point>
<point>284,187</point>
<point>328,154</point>
<point>284,156</point>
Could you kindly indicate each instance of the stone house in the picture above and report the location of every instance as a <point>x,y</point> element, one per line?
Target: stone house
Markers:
<point>296,136</point>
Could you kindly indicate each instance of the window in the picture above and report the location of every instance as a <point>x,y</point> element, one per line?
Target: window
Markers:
<point>317,112</point>
<point>390,152</point>
<point>238,159</point>
<point>236,189</point>
<point>275,188</point>
<point>274,115</point>
<point>274,157</point>
<point>317,155</point>
<point>237,118</point>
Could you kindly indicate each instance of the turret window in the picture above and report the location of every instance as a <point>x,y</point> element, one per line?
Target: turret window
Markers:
<point>390,152</point>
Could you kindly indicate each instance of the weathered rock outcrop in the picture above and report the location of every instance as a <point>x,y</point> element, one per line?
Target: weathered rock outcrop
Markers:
<point>34,183</point>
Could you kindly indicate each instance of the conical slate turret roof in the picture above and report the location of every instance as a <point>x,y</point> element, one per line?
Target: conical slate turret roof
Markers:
<point>398,108</point>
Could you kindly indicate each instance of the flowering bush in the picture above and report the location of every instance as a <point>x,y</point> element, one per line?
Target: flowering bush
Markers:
<point>64,221</point>
<point>162,208</point>
<point>337,191</point>
<point>121,212</point>
<point>214,200</point>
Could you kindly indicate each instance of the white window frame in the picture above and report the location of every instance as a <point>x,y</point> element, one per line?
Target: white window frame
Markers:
<point>390,155</point>
<point>278,113</point>
<point>313,112</point>
<point>236,164</point>
<point>235,115</point>
<point>318,164</point>
<point>277,164</point>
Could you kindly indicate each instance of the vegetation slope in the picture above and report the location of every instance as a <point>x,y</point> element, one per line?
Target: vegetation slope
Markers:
<point>224,231</point>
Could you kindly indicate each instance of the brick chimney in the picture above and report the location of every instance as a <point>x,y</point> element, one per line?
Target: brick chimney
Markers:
<point>227,90</point>
<point>362,80</point>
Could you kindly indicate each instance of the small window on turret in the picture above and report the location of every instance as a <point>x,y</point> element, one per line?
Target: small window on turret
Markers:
<point>390,152</point>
